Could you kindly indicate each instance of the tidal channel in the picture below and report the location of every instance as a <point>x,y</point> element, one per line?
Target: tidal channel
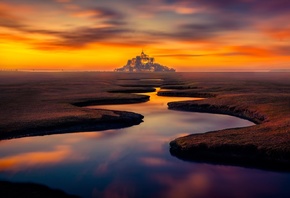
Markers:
<point>135,161</point>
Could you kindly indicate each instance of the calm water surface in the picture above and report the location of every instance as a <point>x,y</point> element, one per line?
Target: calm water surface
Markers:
<point>135,161</point>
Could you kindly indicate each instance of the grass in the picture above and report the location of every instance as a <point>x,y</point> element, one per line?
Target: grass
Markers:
<point>261,98</point>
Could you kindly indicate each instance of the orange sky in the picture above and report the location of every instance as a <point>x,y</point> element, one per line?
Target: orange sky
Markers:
<point>188,35</point>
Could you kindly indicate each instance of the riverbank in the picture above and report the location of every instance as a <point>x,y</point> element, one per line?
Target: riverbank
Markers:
<point>262,100</point>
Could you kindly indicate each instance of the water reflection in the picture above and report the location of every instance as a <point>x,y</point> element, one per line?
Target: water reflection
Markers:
<point>135,161</point>
<point>31,159</point>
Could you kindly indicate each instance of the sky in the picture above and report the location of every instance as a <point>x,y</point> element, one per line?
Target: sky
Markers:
<point>188,35</point>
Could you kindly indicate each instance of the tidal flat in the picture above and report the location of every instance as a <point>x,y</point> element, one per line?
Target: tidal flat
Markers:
<point>38,104</point>
<point>263,98</point>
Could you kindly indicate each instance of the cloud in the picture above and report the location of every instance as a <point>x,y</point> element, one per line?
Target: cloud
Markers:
<point>15,23</point>
<point>174,20</point>
<point>196,31</point>
<point>76,37</point>
<point>244,7</point>
<point>82,36</point>
<point>270,8</point>
<point>17,38</point>
<point>214,5</point>
<point>278,33</point>
<point>283,50</point>
<point>177,8</point>
<point>254,51</point>
<point>63,1</point>
<point>108,25</point>
<point>9,21</point>
<point>99,13</point>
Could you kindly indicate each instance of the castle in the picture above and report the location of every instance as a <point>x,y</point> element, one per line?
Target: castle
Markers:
<point>143,63</point>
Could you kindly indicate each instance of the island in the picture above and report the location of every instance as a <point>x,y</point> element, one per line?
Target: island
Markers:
<point>144,63</point>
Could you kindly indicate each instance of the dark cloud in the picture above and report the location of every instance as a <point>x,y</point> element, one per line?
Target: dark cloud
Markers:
<point>99,13</point>
<point>9,21</point>
<point>200,31</point>
<point>82,36</point>
<point>79,37</point>
<point>75,37</point>
<point>211,19</point>
<point>30,2</point>
<point>22,28</point>
<point>246,8</point>
<point>225,4</point>
<point>108,13</point>
<point>270,7</point>
<point>229,5</point>
<point>212,27</point>
<point>215,18</point>
<point>110,16</point>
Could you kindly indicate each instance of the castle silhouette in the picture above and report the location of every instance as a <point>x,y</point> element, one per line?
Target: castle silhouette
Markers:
<point>143,63</point>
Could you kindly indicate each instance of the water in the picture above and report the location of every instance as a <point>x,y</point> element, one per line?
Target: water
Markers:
<point>135,161</point>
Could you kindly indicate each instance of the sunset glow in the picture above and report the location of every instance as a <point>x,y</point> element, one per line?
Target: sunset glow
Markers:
<point>188,35</point>
<point>25,160</point>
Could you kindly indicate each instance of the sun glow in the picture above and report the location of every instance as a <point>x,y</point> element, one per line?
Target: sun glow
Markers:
<point>104,35</point>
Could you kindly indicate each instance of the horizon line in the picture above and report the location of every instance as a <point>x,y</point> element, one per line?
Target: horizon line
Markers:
<point>95,70</point>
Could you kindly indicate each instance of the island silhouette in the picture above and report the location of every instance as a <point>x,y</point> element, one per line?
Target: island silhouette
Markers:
<point>144,63</point>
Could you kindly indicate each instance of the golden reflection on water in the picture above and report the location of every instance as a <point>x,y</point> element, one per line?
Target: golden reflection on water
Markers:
<point>99,135</point>
<point>163,100</point>
<point>156,103</point>
<point>31,159</point>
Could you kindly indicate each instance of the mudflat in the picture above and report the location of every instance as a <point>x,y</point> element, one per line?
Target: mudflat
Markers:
<point>263,98</point>
<point>49,103</point>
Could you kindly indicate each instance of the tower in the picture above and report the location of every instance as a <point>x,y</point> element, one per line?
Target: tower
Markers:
<point>143,55</point>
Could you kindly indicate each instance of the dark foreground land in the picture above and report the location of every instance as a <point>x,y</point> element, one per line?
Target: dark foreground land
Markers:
<point>49,103</point>
<point>17,190</point>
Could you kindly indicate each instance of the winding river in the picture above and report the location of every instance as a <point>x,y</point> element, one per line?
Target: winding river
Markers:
<point>135,161</point>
